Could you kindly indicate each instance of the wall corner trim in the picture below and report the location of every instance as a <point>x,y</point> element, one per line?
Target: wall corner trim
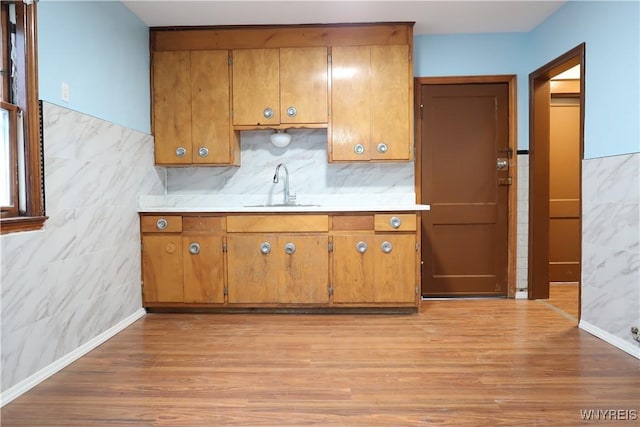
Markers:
<point>28,383</point>
<point>610,339</point>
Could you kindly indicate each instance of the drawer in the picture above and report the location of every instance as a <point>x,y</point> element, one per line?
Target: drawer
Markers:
<point>277,223</point>
<point>203,223</point>
<point>395,222</point>
<point>352,222</point>
<point>154,223</point>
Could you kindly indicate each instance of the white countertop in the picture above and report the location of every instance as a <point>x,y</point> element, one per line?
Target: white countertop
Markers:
<point>310,203</point>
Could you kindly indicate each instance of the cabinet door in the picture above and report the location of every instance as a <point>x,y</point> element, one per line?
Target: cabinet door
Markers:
<point>304,269</point>
<point>210,109</point>
<point>252,276</point>
<point>203,269</point>
<point>172,107</point>
<point>390,103</point>
<point>350,103</point>
<point>162,268</point>
<point>353,268</point>
<point>256,86</point>
<point>395,268</point>
<point>303,85</point>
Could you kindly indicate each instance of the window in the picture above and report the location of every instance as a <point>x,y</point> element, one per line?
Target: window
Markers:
<point>21,175</point>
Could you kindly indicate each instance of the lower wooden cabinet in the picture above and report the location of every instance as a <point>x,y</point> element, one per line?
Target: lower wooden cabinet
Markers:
<point>371,268</point>
<point>253,261</point>
<point>277,268</point>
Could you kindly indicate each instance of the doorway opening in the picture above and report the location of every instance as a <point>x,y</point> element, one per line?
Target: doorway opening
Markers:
<point>556,150</point>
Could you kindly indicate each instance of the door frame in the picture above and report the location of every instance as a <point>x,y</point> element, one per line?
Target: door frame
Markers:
<point>539,145</point>
<point>510,80</point>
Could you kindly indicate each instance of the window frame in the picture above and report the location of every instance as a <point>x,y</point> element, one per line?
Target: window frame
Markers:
<point>33,217</point>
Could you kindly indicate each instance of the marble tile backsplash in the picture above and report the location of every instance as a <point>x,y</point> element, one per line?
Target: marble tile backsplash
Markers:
<point>64,286</point>
<point>611,244</point>
<point>310,172</point>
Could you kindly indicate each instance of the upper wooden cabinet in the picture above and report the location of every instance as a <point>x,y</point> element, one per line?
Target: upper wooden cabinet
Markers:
<point>356,80</point>
<point>371,98</point>
<point>191,109</point>
<point>280,86</point>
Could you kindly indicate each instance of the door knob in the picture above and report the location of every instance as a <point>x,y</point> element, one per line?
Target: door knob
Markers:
<point>502,164</point>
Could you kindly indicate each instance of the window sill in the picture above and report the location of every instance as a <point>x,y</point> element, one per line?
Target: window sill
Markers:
<point>22,223</point>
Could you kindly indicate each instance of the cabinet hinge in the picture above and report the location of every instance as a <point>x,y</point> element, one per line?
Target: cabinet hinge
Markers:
<point>417,246</point>
<point>330,290</point>
<point>225,291</point>
<point>417,290</point>
<point>224,247</point>
<point>230,60</point>
<point>330,246</point>
<point>329,58</point>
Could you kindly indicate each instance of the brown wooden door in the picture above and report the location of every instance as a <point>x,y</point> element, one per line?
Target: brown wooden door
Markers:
<point>210,106</point>
<point>256,86</point>
<point>303,271</point>
<point>390,103</point>
<point>564,190</point>
<point>394,271</point>
<point>162,268</point>
<point>303,85</point>
<point>172,106</point>
<point>465,235</point>
<point>353,269</point>
<point>203,269</point>
<point>350,103</point>
<point>252,276</point>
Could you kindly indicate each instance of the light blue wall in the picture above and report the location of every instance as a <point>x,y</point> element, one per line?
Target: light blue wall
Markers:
<point>101,49</point>
<point>478,54</point>
<point>610,31</point>
<point>612,36</point>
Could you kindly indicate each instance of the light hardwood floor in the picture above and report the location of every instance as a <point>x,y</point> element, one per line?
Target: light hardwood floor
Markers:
<point>458,362</point>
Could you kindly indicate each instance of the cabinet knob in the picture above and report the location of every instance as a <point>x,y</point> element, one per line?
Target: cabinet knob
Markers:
<point>395,222</point>
<point>203,152</point>
<point>386,247</point>
<point>194,248</point>
<point>265,247</point>
<point>358,148</point>
<point>383,148</point>
<point>291,111</point>
<point>361,247</point>
<point>161,224</point>
<point>289,248</point>
<point>268,113</point>
<point>181,151</point>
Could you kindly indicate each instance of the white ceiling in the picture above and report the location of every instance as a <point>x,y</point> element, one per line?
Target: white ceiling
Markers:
<point>431,17</point>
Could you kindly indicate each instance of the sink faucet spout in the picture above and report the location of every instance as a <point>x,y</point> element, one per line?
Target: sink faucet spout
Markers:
<point>288,197</point>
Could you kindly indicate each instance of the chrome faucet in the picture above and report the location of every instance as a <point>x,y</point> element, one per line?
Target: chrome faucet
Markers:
<point>289,199</point>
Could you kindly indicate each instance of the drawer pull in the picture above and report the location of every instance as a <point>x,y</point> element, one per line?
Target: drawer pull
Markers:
<point>161,224</point>
<point>292,111</point>
<point>395,222</point>
<point>203,152</point>
<point>358,148</point>
<point>268,113</point>
<point>383,148</point>
<point>194,248</point>
<point>265,248</point>
<point>361,247</point>
<point>386,247</point>
<point>290,248</point>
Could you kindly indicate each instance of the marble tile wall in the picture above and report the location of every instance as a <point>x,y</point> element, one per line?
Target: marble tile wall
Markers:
<point>522,226</point>
<point>310,173</point>
<point>611,244</point>
<point>64,286</point>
